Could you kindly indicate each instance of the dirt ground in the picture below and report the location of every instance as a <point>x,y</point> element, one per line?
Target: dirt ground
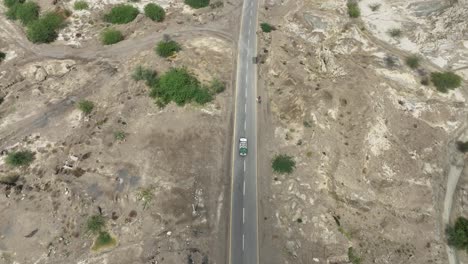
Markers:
<point>179,154</point>
<point>370,142</point>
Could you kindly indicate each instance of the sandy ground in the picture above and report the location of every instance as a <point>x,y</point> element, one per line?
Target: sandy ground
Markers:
<point>179,154</point>
<point>371,144</point>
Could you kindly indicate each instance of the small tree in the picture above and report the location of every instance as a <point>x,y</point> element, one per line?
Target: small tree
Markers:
<point>27,12</point>
<point>155,12</point>
<point>86,106</point>
<point>197,3</point>
<point>2,56</point>
<point>353,10</point>
<point>457,235</point>
<point>412,61</point>
<point>19,158</point>
<point>445,81</point>
<point>80,5</point>
<point>267,28</point>
<point>283,164</point>
<point>111,36</point>
<point>95,224</point>
<point>121,14</point>
<point>462,146</point>
<point>167,48</point>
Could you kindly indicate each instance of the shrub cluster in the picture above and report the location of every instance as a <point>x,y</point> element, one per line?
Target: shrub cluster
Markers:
<point>26,12</point>
<point>283,164</point>
<point>267,28</point>
<point>80,5</point>
<point>121,14</point>
<point>445,81</point>
<point>197,3</point>
<point>155,12</point>
<point>395,32</point>
<point>86,106</point>
<point>412,61</point>
<point>167,48</point>
<point>148,75</point>
<point>457,235</point>
<point>19,158</point>
<point>2,56</point>
<point>111,36</point>
<point>44,30</point>
<point>353,10</point>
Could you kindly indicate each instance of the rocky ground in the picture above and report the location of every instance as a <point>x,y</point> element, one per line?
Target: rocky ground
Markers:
<point>371,143</point>
<point>177,154</point>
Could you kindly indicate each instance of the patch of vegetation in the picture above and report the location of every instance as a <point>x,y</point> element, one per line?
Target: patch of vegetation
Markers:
<point>462,146</point>
<point>26,13</point>
<point>80,5</point>
<point>86,106</point>
<point>457,235</point>
<point>121,14</point>
<point>283,164</point>
<point>104,240</point>
<point>2,56</point>
<point>267,28</point>
<point>412,61</point>
<point>445,81</point>
<point>10,3</point>
<point>307,123</point>
<point>216,86</point>
<point>390,61</point>
<point>10,179</point>
<point>353,10</point>
<point>181,87</point>
<point>19,158</point>
<point>167,48</point>
<point>120,135</point>
<point>95,224</point>
<point>374,7</point>
<point>197,3</point>
<point>353,256</point>
<point>155,12</point>
<point>111,36</point>
<point>145,195</point>
<point>44,30</point>
<point>216,5</point>
<point>395,33</point>
<point>140,73</point>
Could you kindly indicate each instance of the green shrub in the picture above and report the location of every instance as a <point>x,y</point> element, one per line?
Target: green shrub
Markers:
<point>19,158</point>
<point>395,32</point>
<point>197,3</point>
<point>140,73</point>
<point>2,56</point>
<point>45,29</point>
<point>353,10</point>
<point>104,240</point>
<point>267,28</point>
<point>155,12</point>
<point>95,224</point>
<point>80,5</point>
<point>445,81</point>
<point>27,12</point>
<point>111,36</point>
<point>457,235</point>
<point>86,106</point>
<point>412,61</point>
<point>167,48</point>
<point>217,86</point>
<point>121,14</point>
<point>181,87</point>
<point>120,135</point>
<point>353,256</point>
<point>283,164</point>
<point>10,3</point>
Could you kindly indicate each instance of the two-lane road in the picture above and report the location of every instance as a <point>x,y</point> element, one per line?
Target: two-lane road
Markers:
<point>243,227</point>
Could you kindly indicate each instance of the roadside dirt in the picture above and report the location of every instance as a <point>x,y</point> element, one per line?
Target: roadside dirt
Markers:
<point>371,144</point>
<point>179,154</point>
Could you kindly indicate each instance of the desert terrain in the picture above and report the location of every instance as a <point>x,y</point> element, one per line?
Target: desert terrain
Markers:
<point>158,177</point>
<point>372,141</point>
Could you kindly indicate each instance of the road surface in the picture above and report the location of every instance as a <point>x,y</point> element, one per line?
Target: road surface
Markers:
<point>243,228</point>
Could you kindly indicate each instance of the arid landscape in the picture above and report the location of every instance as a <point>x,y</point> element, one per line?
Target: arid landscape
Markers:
<point>350,98</point>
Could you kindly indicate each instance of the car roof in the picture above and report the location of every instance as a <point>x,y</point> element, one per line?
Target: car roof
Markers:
<point>243,139</point>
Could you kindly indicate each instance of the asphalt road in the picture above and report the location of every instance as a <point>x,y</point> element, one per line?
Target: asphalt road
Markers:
<point>243,232</point>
